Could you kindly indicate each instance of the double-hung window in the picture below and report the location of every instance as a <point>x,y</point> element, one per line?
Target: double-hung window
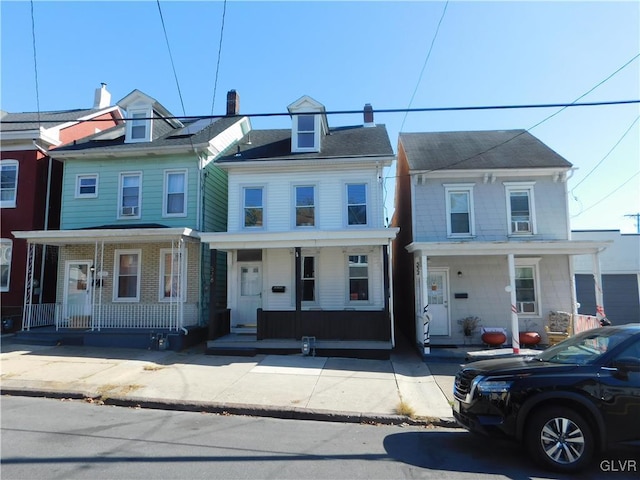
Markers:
<point>87,186</point>
<point>305,211</point>
<point>520,208</point>
<point>460,218</point>
<point>253,207</point>
<point>8,183</point>
<point>6,247</point>
<point>175,193</point>
<point>526,270</point>
<point>357,204</point>
<point>172,274</point>
<point>126,286</point>
<point>358,277</point>
<point>308,279</point>
<point>306,132</point>
<point>139,126</point>
<point>130,195</point>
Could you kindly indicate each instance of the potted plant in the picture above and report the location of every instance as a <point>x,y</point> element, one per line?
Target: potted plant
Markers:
<point>469,325</point>
<point>529,337</point>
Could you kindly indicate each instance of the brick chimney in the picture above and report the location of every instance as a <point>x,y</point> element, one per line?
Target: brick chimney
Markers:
<point>233,103</point>
<point>368,115</point>
<point>102,97</point>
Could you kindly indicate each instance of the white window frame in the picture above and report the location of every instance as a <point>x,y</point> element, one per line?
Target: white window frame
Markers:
<point>183,277</point>
<point>466,188</point>
<point>296,147</point>
<point>347,204</point>
<point>532,263</point>
<point>6,254</point>
<point>116,275</point>
<point>11,203</point>
<point>121,207</point>
<point>516,187</point>
<point>79,179</point>
<point>132,122</point>
<point>312,206</point>
<point>166,193</point>
<point>351,300</point>
<point>244,189</point>
<point>313,278</point>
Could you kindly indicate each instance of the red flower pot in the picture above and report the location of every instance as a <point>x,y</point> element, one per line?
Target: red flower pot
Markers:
<point>529,338</point>
<point>494,339</point>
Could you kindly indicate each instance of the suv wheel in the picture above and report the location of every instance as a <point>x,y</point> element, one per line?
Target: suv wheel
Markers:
<point>560,439</point>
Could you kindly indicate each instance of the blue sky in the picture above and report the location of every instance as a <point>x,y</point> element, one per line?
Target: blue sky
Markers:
<point>346,54</point>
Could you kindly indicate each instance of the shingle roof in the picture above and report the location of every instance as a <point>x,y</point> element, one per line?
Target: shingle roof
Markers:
<point>478,150</point>
<point>267,145</point>
<point>48,119</point>
<point>164,135</point>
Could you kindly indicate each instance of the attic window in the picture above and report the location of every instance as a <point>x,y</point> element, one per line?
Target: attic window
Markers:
<point>139,126</point>
<point>306,133</point>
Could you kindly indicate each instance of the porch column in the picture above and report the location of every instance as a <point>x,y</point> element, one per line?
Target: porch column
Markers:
<point>298,260</point>
<point>515,330</point>
<point>28,287</point>
<point>423,313</point>
<point>597,281</point>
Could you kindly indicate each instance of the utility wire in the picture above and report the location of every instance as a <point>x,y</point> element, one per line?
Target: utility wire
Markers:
<point>388,110</point>
<point>175,75</point>
<point>605,157</point>
<point>35,61</point>
<point>607,196</point>
<point>215,83</point>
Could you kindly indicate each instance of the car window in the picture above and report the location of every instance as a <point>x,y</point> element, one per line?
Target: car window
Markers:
<point>584,348</point>
<point>631,351</point>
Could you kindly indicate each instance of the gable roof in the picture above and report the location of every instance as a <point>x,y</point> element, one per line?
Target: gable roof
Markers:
<point>271,145</point>
<point>166,137</point>
<point>492,149</point>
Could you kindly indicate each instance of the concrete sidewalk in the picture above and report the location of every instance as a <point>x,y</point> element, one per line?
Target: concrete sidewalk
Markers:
<point>284,386</point>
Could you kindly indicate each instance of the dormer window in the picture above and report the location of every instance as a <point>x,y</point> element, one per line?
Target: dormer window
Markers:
<point>306,132</point>
<point>139,126</point>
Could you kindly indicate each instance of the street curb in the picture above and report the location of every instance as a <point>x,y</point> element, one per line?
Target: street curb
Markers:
<point>293,413</point>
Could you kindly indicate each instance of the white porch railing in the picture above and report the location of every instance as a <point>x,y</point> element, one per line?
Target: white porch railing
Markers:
<point>125,315</point>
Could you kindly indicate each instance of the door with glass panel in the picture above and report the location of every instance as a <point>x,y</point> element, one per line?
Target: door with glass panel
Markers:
<point>77,295</point>
<point>244,319</point>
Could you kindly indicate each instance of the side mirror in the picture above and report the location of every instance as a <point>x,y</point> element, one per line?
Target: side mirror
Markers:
<point>627,364</point>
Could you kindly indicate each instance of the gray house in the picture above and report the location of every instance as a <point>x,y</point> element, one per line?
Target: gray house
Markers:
<point>484,232</point>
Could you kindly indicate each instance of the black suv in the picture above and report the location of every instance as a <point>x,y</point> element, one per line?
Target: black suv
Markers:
<point>577,397</point>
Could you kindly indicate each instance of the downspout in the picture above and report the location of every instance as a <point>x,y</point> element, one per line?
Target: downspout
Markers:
<point>389,293</point>
<point>46,216</point>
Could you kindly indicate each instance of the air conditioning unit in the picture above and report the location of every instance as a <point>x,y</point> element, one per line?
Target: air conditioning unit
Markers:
<point>521,227</point>
<point>129,211</point>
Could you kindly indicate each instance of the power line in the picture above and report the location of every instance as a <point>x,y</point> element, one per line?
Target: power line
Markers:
<point>175,75</point>
<point>215,83</point>
<point>608,153</point>
<point>350,112</point>
<point>608,195</point>
<point>35,61</point>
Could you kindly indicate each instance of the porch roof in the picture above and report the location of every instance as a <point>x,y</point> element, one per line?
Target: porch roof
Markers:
<point>110,235</point>
<point>302,238</point>
<point>532,247</point>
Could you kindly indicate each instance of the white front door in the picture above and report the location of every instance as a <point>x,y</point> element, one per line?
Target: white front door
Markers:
<point>438,300</point>
<point>77,295</point>
<point>249,297</point>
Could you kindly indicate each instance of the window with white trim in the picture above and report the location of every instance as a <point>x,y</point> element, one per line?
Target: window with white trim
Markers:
<point>305,210</point>
<point>527,287</point>
<point>173,282</point>
<point>8,183</point>
<point>305,134</point>
<point>87,186</point>
<point>6,250</point>
<point>126,285</point>
<point>358,278</point>
<point>357,204</point>
<point>460,217</point>
<point>175,193</point>
<point>139,126</point>
<point>253,207</point>
<point>520,208</point>
<point>130,195</point>
<point>308,279</point>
